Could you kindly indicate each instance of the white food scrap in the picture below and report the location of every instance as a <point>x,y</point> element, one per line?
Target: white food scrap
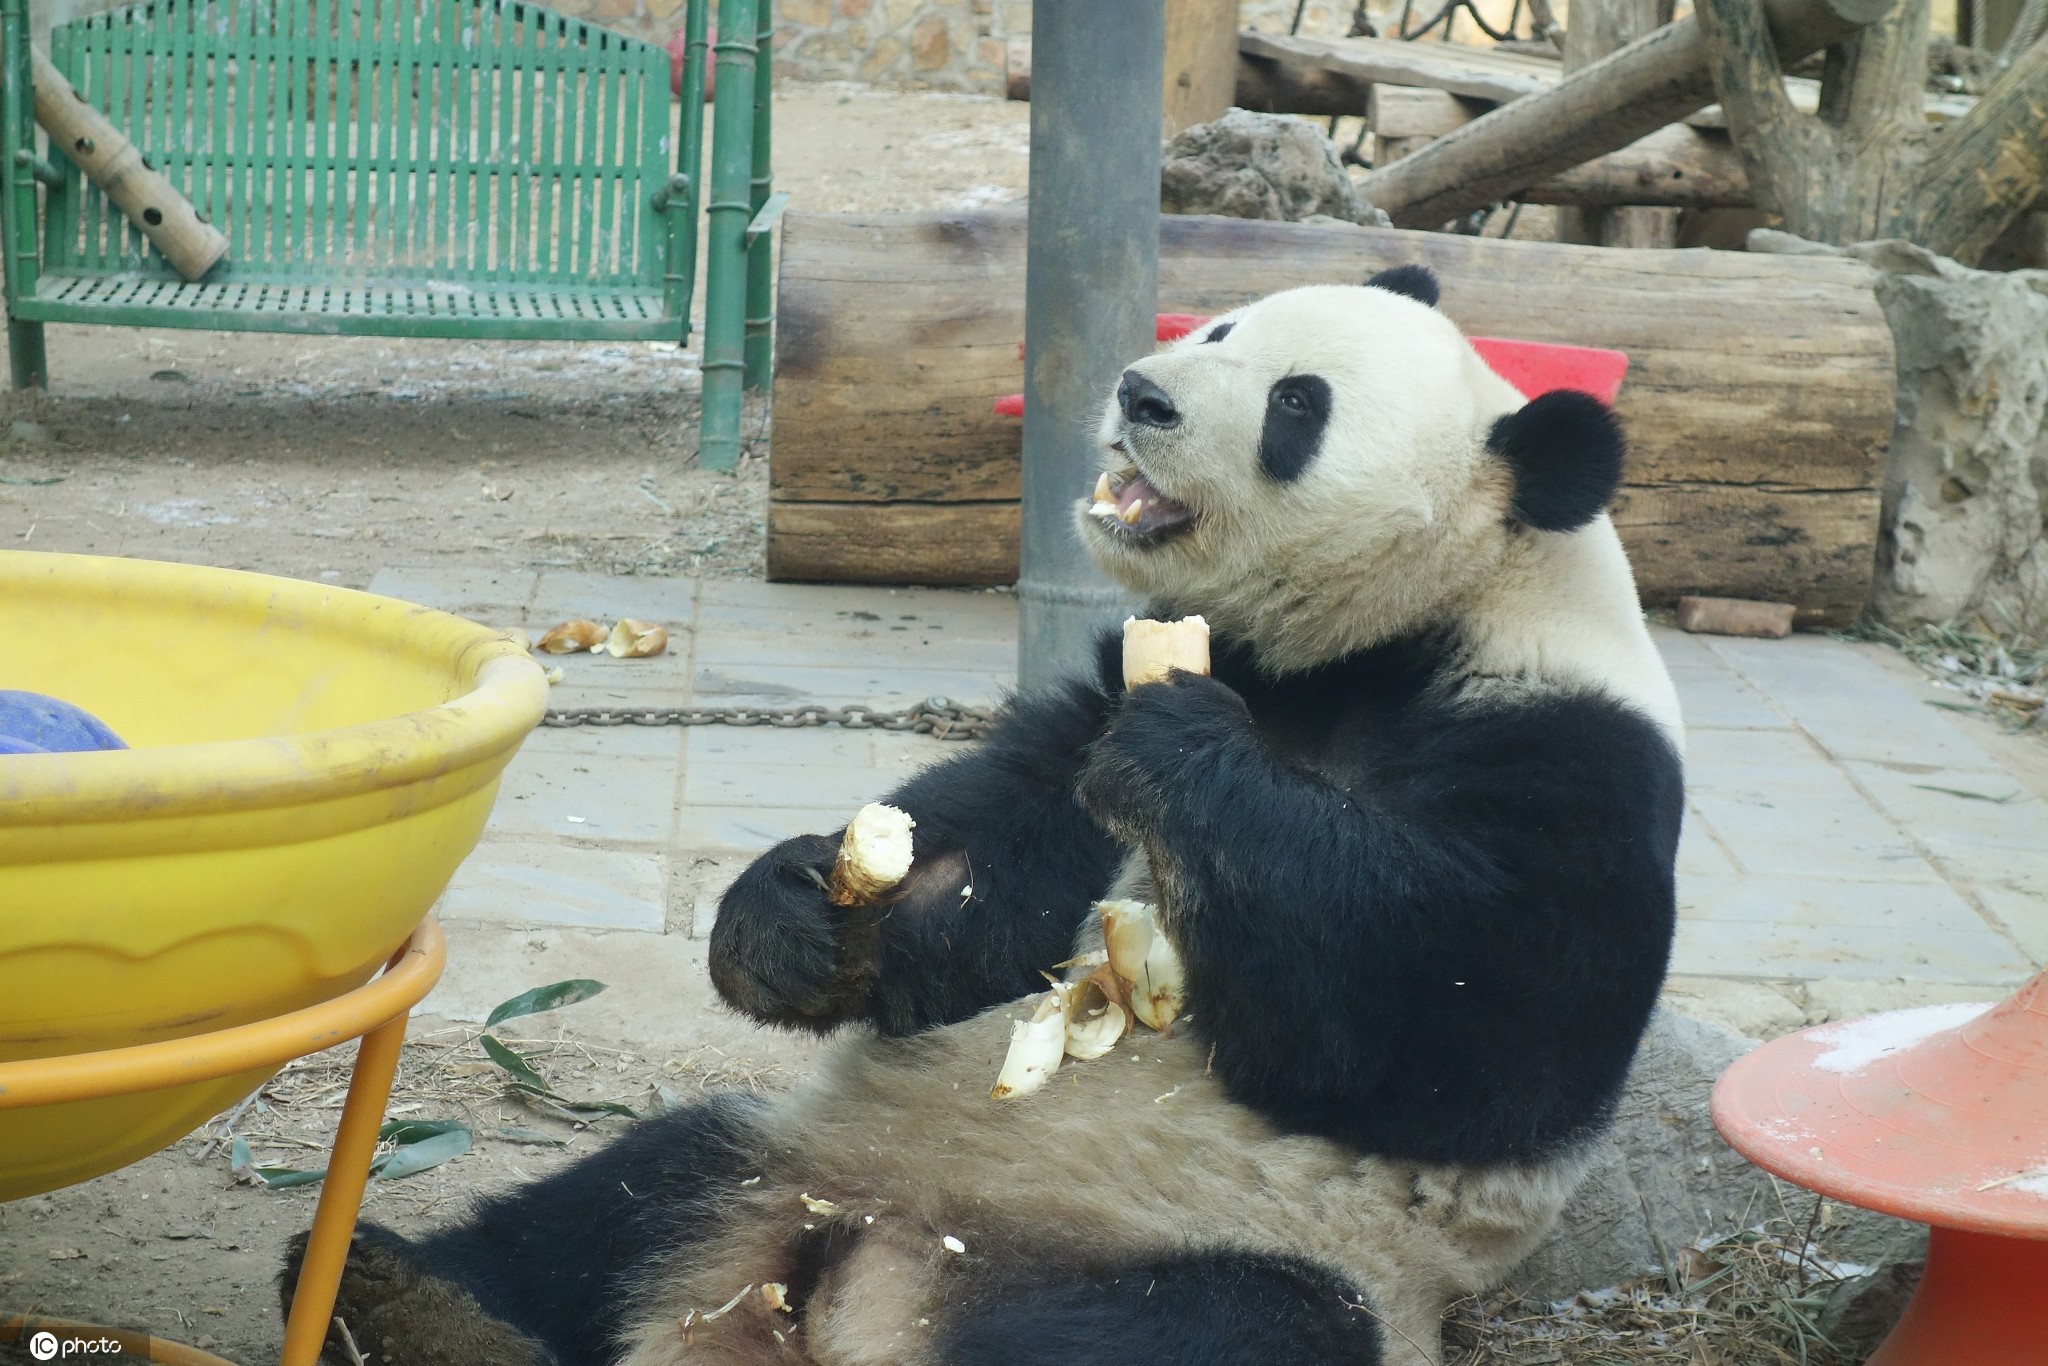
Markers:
<point>631,639</point>
<point>571,636</point>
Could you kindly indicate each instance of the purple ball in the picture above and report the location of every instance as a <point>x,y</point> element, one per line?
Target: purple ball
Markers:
<point>39,724</point>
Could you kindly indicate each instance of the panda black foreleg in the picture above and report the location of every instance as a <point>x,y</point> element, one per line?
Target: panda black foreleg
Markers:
<point>542,1275</point>
<point>1007,863</point>
<point>1197,1309</point>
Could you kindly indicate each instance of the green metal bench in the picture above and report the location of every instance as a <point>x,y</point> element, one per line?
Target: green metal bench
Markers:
<point>417,168</point>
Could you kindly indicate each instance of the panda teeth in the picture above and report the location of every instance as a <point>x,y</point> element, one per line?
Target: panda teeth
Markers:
<point>1102,508</point>
<point>1129,516</point>
<point>1103,492</point>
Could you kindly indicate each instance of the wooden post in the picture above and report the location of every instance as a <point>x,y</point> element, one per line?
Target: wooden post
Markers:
<point>1624,96</point>
<point>1866,165</point>
<point>110,161</point>
<point>1201,61</point>
<point>1599,27</point>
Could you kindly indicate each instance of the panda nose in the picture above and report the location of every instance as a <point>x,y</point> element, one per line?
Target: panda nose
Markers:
<point>1145,403</point>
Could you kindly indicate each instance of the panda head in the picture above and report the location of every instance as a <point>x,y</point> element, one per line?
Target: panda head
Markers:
<point>1334,466</point>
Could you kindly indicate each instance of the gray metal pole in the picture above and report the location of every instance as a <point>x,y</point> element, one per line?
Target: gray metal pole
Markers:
<point>1091,285</point>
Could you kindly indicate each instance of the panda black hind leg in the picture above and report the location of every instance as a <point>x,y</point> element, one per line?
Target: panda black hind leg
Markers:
<point>1221,1308</point>
<point>544,1275</point>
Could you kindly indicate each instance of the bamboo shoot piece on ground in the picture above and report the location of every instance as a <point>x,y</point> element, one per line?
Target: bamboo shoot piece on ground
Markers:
<point>874,855</point>
<point>1153,649</point>
<point>110,161</point>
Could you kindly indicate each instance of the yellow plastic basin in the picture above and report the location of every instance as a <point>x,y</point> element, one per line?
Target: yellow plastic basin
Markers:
<point>309,765</point>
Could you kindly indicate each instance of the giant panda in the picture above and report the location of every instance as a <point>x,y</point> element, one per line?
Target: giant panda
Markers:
<point>1414,840</point>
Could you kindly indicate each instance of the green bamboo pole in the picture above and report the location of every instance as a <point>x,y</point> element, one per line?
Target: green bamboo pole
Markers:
<point>725,288</point>
<point>760,255</point>
<point>690,147</point>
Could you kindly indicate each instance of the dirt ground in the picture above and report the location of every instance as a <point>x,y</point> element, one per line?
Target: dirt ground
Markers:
<point>331,458</point>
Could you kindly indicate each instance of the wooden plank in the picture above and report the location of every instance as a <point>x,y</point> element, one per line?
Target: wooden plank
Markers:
<point>1201,61</point>
<point>899,331</point>
<point>1339,71</point>
<point>939,543</point>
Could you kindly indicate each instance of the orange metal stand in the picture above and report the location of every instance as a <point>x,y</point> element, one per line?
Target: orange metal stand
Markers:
<point>375,1013</point>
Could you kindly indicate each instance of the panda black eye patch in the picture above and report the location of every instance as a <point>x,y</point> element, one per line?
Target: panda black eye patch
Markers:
<point>1219,334</point>
<point>1297,412</point>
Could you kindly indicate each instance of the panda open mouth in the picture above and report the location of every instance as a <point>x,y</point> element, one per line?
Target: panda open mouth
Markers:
<point>1129,505</point>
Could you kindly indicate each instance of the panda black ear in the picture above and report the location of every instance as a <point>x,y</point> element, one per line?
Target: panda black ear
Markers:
<point>1566,450</point>
<point>1417,282</point>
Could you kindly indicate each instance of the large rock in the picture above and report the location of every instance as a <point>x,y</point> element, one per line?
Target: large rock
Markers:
<point>1966,488</point>
<point>1663,1180</point>
<point>1247,165</point>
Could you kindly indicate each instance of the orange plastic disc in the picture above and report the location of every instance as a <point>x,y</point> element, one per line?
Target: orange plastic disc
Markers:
<point>1938,1114</point>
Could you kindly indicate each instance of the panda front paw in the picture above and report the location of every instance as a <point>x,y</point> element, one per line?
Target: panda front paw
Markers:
<point>1162,736</point>
<point>781,951</point>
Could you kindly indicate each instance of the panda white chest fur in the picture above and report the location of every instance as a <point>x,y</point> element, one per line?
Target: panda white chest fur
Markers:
<point>1413,839</point>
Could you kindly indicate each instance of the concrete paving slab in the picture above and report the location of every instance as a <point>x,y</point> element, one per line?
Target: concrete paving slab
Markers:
<point>1852,706</point>
<point>1839,837</point>
<point>736,783</point>
<point>774,745</point>
<point>1683,650</point>
<point>1699,852</point>
<point>1706,745</point>
<point>1911,909</point>
<point>546,882</point>
<point>1717,698</point>
<point>609,742</point>
<point>956,615</point>
<point>1759,951</point>
<point>752,828</point>
<point>830,598</point>
<point>722,645</point>
<point>495,597</point>
<point>2019,905</point>
<point>1957,806</point>
<point>583,798</point>
<point>563,594</point>
<point>775,685</point>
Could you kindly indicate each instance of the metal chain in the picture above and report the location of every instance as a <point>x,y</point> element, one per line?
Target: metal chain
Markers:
<point>939,717</point>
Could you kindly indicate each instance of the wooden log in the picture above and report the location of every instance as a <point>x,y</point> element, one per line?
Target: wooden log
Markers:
<point>1756,452</point>
<point>937,543</point>
<point>1201,61</point>
<point>1627,95</point>
<point>110,161</point>
<point>1677,166</point>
